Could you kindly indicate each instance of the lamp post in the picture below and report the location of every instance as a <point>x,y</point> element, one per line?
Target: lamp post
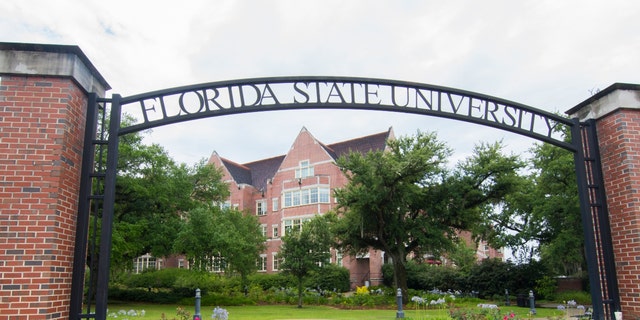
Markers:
<point>400,313</point>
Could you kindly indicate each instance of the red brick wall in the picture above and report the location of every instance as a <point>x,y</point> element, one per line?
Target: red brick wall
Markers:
<point>42,124</point>
<point>619,139</point>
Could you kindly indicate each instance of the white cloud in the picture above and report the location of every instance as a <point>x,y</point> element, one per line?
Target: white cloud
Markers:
<point>546,54</point>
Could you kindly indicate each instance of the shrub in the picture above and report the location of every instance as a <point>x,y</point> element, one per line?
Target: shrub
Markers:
<point>221,300</point>
<point>165,278</point>
<point>144,295</point>
<point>268,281</point>
<point>488,278</point>
<point>330,278</point>
<point>546,288</point>
<point>524,276</point>
<point>428,277</point>
<point>581,297</point>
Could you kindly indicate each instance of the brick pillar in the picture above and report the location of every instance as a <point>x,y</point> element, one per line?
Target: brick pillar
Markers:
<point>617,113</point>
<point>43,101</point>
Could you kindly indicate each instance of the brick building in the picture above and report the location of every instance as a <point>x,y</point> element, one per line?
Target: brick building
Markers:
<point>286,190</point>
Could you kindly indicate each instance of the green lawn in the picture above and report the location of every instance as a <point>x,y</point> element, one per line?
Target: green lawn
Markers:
<point>260,312</point>
<point>307,312</point>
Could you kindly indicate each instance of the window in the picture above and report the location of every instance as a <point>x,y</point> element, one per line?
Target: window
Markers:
<point>262,263</point>
<point>339,258</point>
<point>181,263</point>
<point>225,205</point>
<point>311,195</point>
<point>304,196</point>
<point>274,231</point>
<point>304,170</point>
<point>263,230</point>
<point>274,204</point>
<point>218,264</point>
<point>261,207</point>
<point>287,199</point>
<point>294,224</point>
<point>275,262</point>
<point>144,262</point>
<point>323,194</point>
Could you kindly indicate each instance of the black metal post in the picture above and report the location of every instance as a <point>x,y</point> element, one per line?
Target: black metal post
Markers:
<point>507,301</point>
<point>196,314</point>
<point>611,294</point>
<point>532,303</point>
<point>400,313</point>
<point>107,213</point>
<point>82,220</point>
<point>593,206</point>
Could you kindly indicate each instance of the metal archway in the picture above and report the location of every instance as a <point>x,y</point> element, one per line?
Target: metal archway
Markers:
<point>214,99</point>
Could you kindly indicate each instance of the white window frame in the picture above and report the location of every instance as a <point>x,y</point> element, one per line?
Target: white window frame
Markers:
<point>306,196</point>
<point>218,264</point>
<point>339,258</point>
<point>275,262</point>
<point>295,223</point>
<point>305,169</point>
<point>263,229</point>
<point>262,263</point>
<point>146,262</point>
<point>261,207</point>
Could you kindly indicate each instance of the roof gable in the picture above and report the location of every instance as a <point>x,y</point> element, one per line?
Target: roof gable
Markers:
<point>305,147</point>
<point>374,142</point>
<point>257,173</point>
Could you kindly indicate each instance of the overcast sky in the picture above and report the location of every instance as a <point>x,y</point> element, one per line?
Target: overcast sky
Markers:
<point>549,55</point>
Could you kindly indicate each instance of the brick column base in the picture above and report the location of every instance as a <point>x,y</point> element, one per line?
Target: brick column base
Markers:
<point>617,114</point>
<point>42,120</point>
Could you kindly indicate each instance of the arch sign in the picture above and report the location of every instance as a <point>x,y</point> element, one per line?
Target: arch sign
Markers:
<point>214,99</point>
<point>253,95</point>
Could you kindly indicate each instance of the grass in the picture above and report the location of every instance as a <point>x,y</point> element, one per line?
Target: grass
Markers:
<point>283,312</point>
<point>260,312</point>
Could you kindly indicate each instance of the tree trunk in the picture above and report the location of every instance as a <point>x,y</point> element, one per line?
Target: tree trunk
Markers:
<point>299,292</point>
<point>400,275</point>
<point>244,283</point>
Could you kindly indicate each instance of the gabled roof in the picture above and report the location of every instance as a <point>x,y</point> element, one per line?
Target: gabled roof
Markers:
<point>240,173</point>
<point>262,170</point>
<point>257,173</point>
<point>362,145</point>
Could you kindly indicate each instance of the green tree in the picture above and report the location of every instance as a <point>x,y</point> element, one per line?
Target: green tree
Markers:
<point>241,241</point>
<point>406,201</point>
<point>557,208</point>
<point>152,192</point>
<point>211,233</point>
<point>198,240</point>
<point>306,249</point>
<point>463,256</point>
<point>546,211</point>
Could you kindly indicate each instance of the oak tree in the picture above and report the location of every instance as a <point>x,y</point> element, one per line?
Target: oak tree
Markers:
<point>407,202</point>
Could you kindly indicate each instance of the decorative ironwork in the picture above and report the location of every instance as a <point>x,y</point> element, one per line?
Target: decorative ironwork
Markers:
<point>595,222</point>
<point>282,93</point>
<point>95,210</point>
